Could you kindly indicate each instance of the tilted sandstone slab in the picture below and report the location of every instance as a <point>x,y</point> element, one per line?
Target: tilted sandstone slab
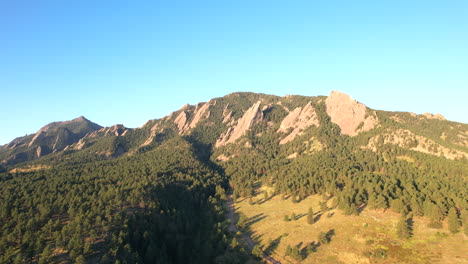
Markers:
<point>298,120</point>
<point>250,117</point>
<point>352,117</point>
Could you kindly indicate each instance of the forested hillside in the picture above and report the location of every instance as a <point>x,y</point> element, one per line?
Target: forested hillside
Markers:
<point>163,206</point>
<point>157,194</point>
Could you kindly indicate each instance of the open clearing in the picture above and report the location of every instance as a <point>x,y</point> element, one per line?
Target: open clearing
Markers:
<point>355,237</point>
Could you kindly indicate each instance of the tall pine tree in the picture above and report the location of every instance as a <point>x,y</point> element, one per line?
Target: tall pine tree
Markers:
<point>403,228</point>
<point>310,216</point>
<point>453,221</point>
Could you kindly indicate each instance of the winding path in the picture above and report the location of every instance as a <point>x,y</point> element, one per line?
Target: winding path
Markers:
<point>233,228</point>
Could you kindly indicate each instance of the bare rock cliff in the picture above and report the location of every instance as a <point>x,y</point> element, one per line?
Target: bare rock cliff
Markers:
<point>352,117</point>
<point>201,111</point>
<point>298,120</point>
<point>436,116</point>
<point>250,117</point>
<point>181,121</point>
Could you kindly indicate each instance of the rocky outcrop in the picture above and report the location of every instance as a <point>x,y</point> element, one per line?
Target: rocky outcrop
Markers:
<point>436,116</point>
<point>37,137</point>
<point>39,152</point>
<point>250,117</point>
<point>352,117</point>
<point>298,120</point>
<point>200,113</point>
<point>407,139</point>
<point>116,130</point>
<point>181,121</point>
<point>153,131</point>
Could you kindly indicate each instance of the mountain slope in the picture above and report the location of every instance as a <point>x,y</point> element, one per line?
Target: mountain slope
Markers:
<point>239,119</point>
<point>156,193</point>
<point>51,138</point>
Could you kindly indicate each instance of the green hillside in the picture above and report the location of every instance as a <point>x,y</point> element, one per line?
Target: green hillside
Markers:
<point>157,194</point>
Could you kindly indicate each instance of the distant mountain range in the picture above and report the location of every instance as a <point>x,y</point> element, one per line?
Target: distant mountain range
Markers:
<point>232,119</point>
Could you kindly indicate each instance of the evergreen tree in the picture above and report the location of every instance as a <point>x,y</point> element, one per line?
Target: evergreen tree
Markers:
<point>234,243</point>
<point>80,260</point>
<point>311,248</point>
<point>464,216</point>
<point>288,251</point>
<point>296,253</point>
<point>453,221</point>
<point>310,216</point>
<point>324,206</point>
<point>257,251</point>
<point>323,238</point>
<point>293,217</point>
<point>403,228</point>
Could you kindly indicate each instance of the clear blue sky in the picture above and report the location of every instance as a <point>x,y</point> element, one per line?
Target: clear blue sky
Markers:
<point>131,61</point>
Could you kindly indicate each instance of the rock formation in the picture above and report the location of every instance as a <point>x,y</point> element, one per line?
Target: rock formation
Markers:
<point>298,120</point>
<point>181,121</point>
<point>251,116</point>
<point>352,117</point>
<point>407,139</point>
<point>200,112</point>
<point>153,131</point>
<point>436,116</point>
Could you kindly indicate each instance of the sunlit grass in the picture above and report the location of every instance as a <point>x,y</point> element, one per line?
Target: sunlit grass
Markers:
<point>355,236</point>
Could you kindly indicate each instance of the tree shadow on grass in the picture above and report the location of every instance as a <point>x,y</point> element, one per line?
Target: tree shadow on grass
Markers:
<point>300,216</point>
<point>255,219</point>
<point>317,217</point>
<point>273,245</point>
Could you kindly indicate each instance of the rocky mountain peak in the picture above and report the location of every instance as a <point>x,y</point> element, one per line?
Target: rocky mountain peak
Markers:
<point>351,116</point>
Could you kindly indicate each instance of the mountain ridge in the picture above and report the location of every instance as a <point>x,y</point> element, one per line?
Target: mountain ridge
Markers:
<point>230,118</point>
<point>157,193</point>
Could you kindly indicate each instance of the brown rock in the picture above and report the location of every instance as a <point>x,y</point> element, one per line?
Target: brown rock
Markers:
<point>436,116</point>
<point>181,121</point>
<point>200,112</point>
<point>349,115</point>
<point>251,116</point>
<point>298,120</point>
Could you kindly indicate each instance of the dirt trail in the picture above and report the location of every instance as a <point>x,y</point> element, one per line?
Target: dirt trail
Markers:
<point>233,228</point>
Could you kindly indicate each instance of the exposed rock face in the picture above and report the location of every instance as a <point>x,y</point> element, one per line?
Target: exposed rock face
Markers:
<point>227,117</point>
<point>436,116</point>
<point>38,136</point>
<point>53,137</point>
<point>181,121</point>
<point>298,120</point>
<point>116,130</point>
<point>349,115</point>
<point>39,152</point>
<point>79,145</point>
<point>251,116</point>
<point>407,139</point>
<point>200,112</point>
<point>154,130</point>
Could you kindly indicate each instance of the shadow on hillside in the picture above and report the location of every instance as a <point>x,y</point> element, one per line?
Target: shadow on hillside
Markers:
<point>273,245</point>
<point>255,219</point>
<point>265,200</point>
<point>176,222</point>
<point>317,217</point>
<point>203,152</point>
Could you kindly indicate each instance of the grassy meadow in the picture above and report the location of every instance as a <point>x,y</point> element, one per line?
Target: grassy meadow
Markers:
<point>367,238</point>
